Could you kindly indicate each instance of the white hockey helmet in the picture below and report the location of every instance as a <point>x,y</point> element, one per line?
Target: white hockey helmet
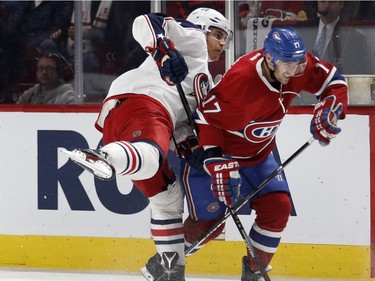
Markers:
<point>206,17</point>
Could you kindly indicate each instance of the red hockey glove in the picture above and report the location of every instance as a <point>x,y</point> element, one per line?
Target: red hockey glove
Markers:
<point>225,179</point>
<point>324,122</point>
<point>171,63</point>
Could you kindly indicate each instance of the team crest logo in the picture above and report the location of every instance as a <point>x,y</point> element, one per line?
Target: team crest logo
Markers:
<point>136,134</point>
<point>213,207</point>
<point>276,36</point>
<point>258,132</point>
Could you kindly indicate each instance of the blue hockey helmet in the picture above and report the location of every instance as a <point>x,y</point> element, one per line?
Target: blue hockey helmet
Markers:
<point>284,44</point>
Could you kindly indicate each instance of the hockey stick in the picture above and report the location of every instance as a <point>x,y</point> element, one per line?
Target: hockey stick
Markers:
<point>235,217</point>
<point>249,196</point>
<point>246,239</point>
<point>187,109</point>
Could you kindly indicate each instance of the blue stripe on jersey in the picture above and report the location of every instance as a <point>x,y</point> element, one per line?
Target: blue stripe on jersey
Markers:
<point>157,21</point>
<point>337,76</point>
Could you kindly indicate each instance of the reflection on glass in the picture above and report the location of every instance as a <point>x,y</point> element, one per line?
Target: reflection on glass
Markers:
<point>348,28</point>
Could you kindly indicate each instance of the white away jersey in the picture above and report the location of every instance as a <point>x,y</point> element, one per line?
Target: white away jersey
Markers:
<point>189,40</point>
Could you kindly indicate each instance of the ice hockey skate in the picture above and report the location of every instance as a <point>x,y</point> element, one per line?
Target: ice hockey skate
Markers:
<point>170,271</point>
<point>248,274</point>
<point>93,161</point>
<point>153,268</point>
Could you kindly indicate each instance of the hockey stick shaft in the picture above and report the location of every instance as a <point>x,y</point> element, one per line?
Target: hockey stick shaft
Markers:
<point>187,109</point>
<point>249,196</point>
<point>236,219</point>
<point>249,246</point>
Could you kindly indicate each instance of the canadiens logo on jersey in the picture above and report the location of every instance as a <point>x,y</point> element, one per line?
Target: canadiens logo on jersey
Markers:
<point>257,132</point>
<point>276,36</point>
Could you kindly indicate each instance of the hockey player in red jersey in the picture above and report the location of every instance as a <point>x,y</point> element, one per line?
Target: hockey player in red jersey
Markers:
<point>238,121</point>
<point>140,114</point>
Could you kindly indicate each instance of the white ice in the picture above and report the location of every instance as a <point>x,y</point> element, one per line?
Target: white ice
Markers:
<point>36,275</point>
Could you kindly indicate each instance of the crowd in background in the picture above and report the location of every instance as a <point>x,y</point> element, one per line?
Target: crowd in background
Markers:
<point>30,29</point>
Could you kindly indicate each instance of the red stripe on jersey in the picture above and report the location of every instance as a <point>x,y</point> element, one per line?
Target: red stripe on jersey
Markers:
<point>189,198</point>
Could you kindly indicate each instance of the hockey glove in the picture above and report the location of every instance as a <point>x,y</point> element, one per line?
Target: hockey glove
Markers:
<point>324,122</point>
<point>171,63</point>
<point>225,179</point>
<point>192,153</point>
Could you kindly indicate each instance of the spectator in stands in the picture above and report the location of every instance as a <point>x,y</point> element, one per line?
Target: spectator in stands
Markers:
<point>51,87</point>
<point>336,41</point>
<point>107,36</point>
<point>109,48</point>
<point>46,24</point>
<point>12,48</point>
<point>292,10</point>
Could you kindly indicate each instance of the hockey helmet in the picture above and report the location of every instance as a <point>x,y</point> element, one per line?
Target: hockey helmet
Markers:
<point>206,17</point>
<point>284,44</point>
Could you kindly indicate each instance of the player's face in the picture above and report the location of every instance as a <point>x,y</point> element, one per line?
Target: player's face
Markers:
<point>285,70</point>
<point>217,40</point>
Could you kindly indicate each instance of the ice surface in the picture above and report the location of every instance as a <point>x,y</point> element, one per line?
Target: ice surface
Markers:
<point>36,275</point>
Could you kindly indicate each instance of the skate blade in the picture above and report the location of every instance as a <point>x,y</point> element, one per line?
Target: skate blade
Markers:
<point>65,151</point>
<point>146,274</point>
<point>79,158</point>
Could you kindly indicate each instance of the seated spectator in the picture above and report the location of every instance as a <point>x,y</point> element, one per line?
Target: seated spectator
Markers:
<point>51,87</point>
<point>46,24</point>
<point>108,44</point>
<point>95,17</point>
<point>12,47</point>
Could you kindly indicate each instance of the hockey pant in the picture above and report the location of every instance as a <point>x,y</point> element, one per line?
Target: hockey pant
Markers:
<point>272,206</point>
<point>136,136</point>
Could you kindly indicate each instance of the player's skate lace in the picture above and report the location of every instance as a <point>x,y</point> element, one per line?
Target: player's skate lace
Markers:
<point>169,271</point>
<point>248,274</point>
<point>93,161</point>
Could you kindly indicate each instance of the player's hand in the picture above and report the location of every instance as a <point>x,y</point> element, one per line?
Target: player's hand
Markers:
<point>193,154</point>
<point>324,122</point>
<point>225,179</point>
<point>171,63</point>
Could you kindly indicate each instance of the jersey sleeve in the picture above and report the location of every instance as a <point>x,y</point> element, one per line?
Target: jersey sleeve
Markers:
<point>151,28</point>
<point>325,80</point>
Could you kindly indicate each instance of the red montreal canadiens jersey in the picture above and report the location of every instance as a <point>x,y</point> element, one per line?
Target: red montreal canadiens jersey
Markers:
<point>243,111</point>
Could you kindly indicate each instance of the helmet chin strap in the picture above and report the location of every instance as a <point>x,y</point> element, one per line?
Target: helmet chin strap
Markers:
<point>272,72</point>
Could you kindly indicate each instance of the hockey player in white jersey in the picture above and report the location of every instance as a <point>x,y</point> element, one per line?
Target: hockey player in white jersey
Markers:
<point>139,116</point>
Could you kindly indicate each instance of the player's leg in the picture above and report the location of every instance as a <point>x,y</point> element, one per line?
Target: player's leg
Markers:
<point>136,137</point>
<point>204,208</point>
<point>133,133</point>
<point>272,206</point>
<point>166,225</point>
